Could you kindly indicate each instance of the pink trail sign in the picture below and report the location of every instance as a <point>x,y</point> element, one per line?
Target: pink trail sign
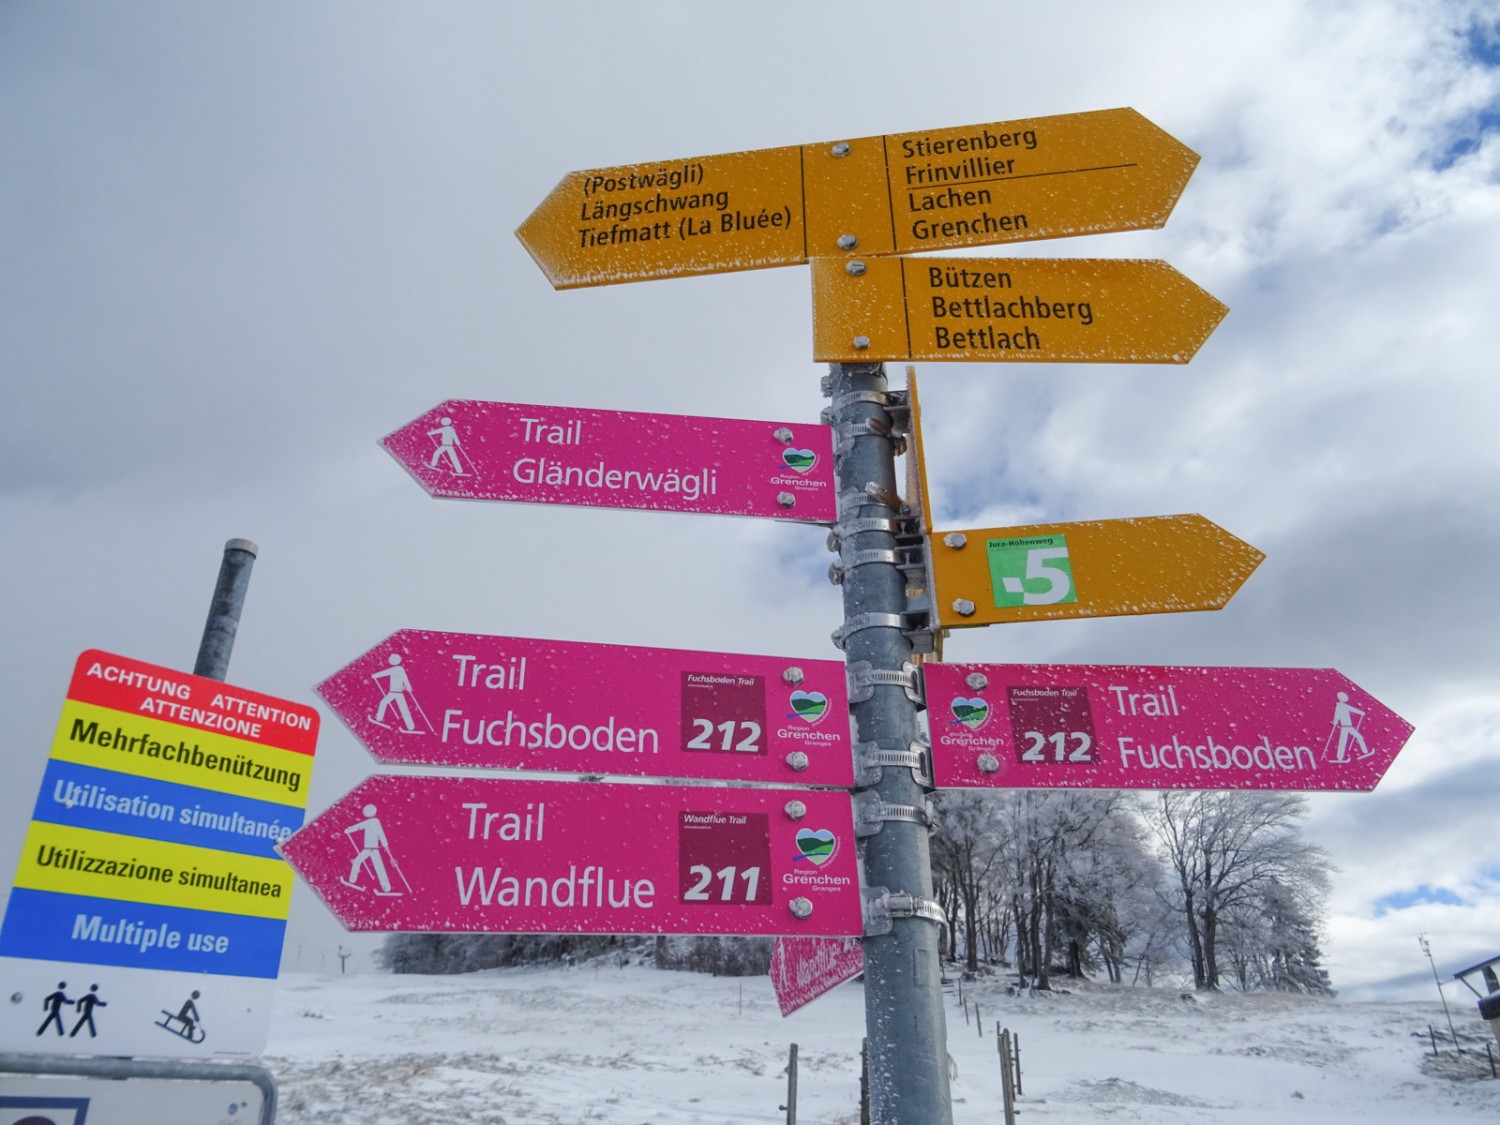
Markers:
<point>803,968</point>
<point>469,450</point>
<point>462,699</point>
<point>1068,726</point>
<point>494,855</point>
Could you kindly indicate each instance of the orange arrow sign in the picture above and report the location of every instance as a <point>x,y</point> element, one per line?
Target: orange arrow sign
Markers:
<point>1037,310</point>
<point>1095,568</point>
<point>976,185</point>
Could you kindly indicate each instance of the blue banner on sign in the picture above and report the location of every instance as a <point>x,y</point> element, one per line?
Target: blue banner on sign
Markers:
<point>47,926</point>
<point>122,803</point>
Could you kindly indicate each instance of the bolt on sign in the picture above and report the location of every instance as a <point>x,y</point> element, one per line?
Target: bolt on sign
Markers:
<point>493,855</point>
<point>1026,310</point>
<point>1065,726</point>
<point>1092,568</point>
<point>149,903</point>
<point>471,450</point>
<point>462,699</point>
<point>903,193</point>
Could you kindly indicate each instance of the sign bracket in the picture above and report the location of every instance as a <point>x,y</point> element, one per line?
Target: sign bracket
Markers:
<point>871,757</point>
<point>871,814</point>
<point>863,677</point>
<point>881,908</point>
<point>912,624</point>
<point>900,528</point>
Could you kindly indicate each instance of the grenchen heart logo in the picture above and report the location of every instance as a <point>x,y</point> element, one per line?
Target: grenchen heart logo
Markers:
<point>815,847</point>
<point>809,706</point>
<point>799,460</point>
<point>972,713</point>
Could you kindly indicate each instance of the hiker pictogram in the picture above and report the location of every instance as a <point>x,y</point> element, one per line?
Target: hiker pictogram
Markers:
<point>372,850</point>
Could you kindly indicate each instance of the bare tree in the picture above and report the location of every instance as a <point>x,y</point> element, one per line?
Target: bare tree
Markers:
<point>1230,853</point>
<point>966,852</point>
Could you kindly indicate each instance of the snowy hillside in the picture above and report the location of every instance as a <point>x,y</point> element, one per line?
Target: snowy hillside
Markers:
<point>602,1043</point>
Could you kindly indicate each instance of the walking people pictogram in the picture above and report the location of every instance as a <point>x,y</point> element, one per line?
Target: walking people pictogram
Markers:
<point>54,1002</point>
<point>373,849</point>
<point>1346,718</point>
<point>399,694</point>
<point>448,447</point>
<point>188,1018</point>
<point>86,1005</point>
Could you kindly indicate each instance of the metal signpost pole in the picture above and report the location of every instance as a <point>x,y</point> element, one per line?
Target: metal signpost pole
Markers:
<point>903,999</point>
<point>224,612</point>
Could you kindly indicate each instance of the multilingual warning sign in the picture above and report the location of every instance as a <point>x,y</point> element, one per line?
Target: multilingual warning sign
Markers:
<point>149,893</point>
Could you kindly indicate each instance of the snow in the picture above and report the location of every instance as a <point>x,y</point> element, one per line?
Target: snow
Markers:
<point>606,1043</point>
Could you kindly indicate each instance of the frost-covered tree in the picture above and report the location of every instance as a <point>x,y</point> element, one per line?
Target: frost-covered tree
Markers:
<point>1231,856</point>
<point>1274,942</point>
<point>1068,871</point>
<point>966,855</point>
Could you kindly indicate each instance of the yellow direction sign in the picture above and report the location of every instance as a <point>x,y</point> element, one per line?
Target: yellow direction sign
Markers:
<point>976,185</point>
<point>1019,310</point>
<point>1095,568</point>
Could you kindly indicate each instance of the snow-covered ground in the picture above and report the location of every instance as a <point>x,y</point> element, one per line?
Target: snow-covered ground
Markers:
<point>605,1043</point>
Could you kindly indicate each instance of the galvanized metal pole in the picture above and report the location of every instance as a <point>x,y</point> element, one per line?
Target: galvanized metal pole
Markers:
<point>908,1045</point>
<point>224,611</point>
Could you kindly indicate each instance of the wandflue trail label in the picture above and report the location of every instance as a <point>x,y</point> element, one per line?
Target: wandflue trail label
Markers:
<point>481,855</point>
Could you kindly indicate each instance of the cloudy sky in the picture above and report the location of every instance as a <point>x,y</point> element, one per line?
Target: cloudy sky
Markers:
<point>239,243</point>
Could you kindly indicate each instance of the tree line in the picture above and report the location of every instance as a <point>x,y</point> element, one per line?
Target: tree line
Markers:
<point>1088,882</point>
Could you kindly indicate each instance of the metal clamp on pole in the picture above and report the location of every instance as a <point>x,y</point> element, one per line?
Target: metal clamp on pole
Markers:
<point>845,563</point>
<point>826,383</point>
<point>845,437</point>
<point>872,493</point>
<point>871,814</point>
<point>863,677</point>
<point>871,757</point>
<point>881,908</point>
<point>852,398</point>
<point>845,528</point>
<point>903,621</point>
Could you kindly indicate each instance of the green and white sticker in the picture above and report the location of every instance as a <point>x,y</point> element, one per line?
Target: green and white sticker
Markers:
<point>1033,571</point>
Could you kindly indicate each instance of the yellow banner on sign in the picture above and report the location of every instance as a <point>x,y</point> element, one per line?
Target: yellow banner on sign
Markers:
<point>1026,310</point>
<point>905,193</point>
<point>81,861</point>
<point>154,748</point>
<point>1093,568</point>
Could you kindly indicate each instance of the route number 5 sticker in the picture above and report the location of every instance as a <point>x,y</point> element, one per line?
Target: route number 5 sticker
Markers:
<point>1031,571</point>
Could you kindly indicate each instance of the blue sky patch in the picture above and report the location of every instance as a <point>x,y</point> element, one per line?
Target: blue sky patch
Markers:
<point>1401,900</point>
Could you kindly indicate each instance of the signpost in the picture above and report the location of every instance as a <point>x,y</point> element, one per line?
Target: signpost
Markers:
<point>1094,568</point>
<point>1023,310</point>
<point>481,855</point>
<point>510,856</point>
<point>459,699</point>
<point>974,185</point>
<point>471,450</point>
<point>802,969</point>
<point>149,903</point>
<point>1067,726</point>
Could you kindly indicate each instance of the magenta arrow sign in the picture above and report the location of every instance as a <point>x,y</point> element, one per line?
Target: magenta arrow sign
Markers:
<point>492,855</point>
<point>471,450</point>
<point>1067,726</point>
<point>803,968</point>
<point>460,699</point>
